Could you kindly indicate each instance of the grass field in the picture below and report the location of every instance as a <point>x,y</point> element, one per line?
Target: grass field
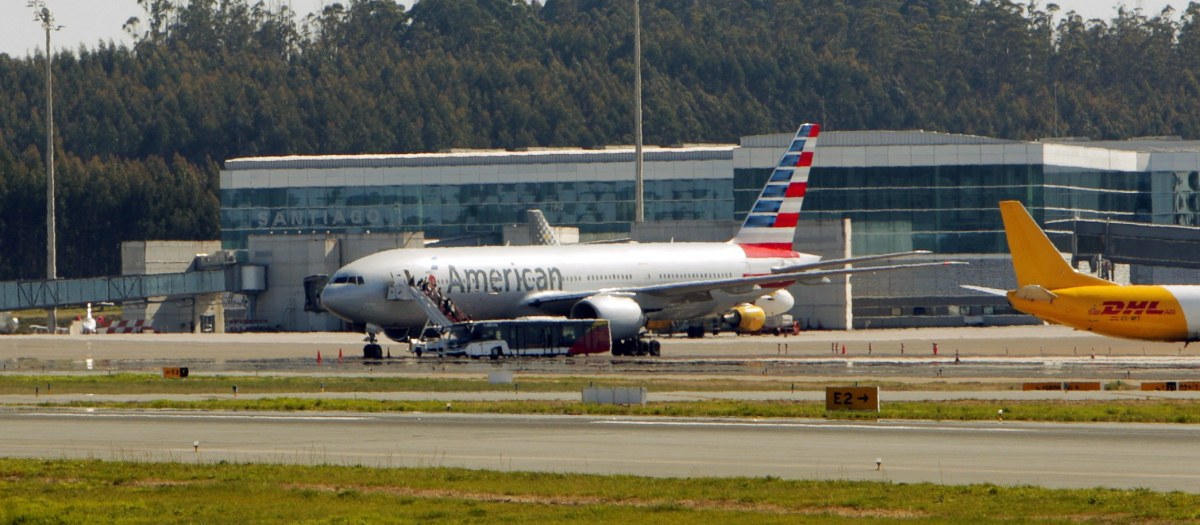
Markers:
<point>156,384</point>
<point>1052,411</point>
<point>93,491</point>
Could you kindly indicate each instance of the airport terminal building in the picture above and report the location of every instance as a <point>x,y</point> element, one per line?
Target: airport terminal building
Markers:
<point>899,190</point>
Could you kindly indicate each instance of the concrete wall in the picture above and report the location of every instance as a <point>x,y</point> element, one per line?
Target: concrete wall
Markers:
<point>824,305</point>
<point>291,258</point>
<point>164,314</point>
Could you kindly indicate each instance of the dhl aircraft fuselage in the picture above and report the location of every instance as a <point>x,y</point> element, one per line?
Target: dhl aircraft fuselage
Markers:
<point>1155,313</point>
<point>1051,289</point>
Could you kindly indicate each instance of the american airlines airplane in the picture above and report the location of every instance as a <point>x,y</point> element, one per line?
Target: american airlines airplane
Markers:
<point>741,281</point>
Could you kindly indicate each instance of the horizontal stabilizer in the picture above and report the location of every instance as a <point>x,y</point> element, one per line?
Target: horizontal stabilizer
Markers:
<point>986,290</point>
<point>1034,292</point>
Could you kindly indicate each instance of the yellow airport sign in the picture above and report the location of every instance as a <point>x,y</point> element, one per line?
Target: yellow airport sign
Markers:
<point>1082,385</point>
<point>858,398</point>
<point>1068,386</point>
<point>1171,386</point>
<point>175,372</point>
<point>1042,386</point>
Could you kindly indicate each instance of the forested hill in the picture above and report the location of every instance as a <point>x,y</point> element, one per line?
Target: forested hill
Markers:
<point>142,130</point>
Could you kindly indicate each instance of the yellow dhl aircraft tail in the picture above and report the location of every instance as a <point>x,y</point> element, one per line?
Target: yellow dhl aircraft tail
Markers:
<point>1035,259</point>
<point>1049,288</point>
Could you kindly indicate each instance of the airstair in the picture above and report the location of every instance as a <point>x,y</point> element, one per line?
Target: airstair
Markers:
<point>440,309</point>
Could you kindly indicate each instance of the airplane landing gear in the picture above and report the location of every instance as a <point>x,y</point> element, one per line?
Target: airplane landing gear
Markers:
<point>372,350</point>
<point>637,347</point>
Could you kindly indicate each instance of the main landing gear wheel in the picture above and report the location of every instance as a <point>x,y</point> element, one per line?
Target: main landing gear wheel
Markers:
<point>695,332</point>
<point>637,347</point>
<point>643,348</point>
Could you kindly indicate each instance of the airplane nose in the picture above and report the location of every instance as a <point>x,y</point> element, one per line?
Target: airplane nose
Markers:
<point>337,301</point>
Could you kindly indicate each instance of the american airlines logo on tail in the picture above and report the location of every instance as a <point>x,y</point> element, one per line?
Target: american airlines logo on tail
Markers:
<point>771,223</point>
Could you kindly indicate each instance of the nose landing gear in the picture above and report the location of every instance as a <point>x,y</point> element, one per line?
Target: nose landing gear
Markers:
<point>372,350</point>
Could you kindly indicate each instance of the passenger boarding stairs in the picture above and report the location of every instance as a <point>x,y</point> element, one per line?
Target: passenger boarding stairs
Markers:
<point>404,289</point>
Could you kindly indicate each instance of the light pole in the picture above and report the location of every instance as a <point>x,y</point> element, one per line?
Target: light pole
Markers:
<point>639,182</point>
<point>42,14</point>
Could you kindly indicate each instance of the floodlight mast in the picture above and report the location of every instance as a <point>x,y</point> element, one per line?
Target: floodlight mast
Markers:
<point>639,181</point>
<point>42,14</point>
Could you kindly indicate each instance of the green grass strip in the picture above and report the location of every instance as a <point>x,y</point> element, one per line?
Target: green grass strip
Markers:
<point>94,491</point>
<point>1133,411</point>
<point>99,383</point>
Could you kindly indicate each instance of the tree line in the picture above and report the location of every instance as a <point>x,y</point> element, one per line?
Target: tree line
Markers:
<point>141,130</point>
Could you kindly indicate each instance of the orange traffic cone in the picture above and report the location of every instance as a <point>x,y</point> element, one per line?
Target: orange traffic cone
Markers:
<point>340,356</point>
<point>318,357</point>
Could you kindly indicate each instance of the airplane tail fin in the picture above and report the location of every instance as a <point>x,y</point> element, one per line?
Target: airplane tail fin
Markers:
<point>771,223</point>
<point>1035,259</point>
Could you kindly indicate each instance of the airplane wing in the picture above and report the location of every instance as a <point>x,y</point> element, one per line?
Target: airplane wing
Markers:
<point>739,285</point>
<point>840,262</point>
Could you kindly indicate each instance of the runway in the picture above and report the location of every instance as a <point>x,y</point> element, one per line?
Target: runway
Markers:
<point>1158,457</point>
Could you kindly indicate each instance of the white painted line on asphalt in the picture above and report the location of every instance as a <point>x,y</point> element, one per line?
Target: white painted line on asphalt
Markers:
<point>827,426</point>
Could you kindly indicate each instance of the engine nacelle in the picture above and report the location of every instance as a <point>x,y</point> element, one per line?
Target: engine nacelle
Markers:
<point>399,335</point>
<point>746,318</point>
<point>624,315</point>
<point>778,303</point>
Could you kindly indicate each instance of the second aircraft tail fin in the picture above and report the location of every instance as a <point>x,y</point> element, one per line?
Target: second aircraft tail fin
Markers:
<point>1035,259</point>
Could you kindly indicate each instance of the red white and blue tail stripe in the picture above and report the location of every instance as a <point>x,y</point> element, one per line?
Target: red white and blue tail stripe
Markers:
<point>771,223</point>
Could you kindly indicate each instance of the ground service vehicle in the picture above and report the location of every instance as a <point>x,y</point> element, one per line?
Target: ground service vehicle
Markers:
<point>538,336</point>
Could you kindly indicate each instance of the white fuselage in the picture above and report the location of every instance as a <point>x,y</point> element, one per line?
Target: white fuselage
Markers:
<point>494,282</point>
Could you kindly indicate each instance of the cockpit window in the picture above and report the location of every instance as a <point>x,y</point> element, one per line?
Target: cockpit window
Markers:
<point>347,279</point>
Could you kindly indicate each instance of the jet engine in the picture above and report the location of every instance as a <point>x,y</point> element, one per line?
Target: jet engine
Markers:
<point>624,315</point>
<point>399,335</point>
<point>745,318</point>
<point>777,303</point>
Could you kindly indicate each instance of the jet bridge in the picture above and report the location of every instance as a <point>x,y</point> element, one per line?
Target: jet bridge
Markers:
<point>58,293</point>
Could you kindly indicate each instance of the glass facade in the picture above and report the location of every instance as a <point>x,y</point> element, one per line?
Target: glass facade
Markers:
<point>952,209</point>
<point>945,209</point>
<point>443,211</point>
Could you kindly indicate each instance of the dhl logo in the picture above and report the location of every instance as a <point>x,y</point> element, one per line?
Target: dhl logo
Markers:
<point>1122,308</point>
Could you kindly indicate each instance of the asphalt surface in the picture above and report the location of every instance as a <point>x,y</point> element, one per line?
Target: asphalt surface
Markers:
<point>1026,352</point>
<point>653,397</point>
<point>991,341</point>
<point>1158,457</point>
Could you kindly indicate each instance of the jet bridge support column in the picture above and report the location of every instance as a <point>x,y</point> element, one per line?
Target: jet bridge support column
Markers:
<point>208,315</point>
